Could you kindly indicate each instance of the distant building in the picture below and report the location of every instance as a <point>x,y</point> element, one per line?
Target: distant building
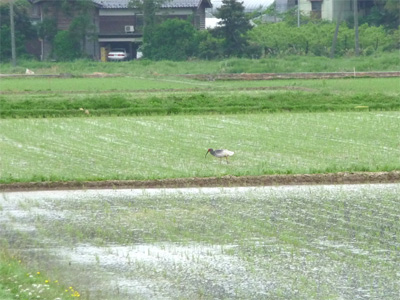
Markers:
<point>329,9</point>
<point>284,5</point>
<point>116,25</point>
<point>249,5</point>
<point>325,9</point>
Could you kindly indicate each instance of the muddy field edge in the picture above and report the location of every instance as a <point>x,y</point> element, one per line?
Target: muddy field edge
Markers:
<point>224,181</point>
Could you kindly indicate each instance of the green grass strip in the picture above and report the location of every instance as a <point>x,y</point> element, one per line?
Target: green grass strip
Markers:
<point>194,103</point>
<point>389,61</point>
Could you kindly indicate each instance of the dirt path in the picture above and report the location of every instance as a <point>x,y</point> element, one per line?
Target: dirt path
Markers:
<point>231,76</point>
<point>304,75</point>
<point>225,181</point>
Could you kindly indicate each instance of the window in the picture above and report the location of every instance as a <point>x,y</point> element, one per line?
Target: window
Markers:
<point>316,7</point>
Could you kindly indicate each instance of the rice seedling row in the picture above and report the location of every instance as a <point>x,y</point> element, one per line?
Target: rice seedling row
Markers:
<point>174,146</point>
<point>314,242</point>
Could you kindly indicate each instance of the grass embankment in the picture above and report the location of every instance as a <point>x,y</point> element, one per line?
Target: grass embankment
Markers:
<point>17,281</point>
<point>286,64</point>
<point>58,97</point>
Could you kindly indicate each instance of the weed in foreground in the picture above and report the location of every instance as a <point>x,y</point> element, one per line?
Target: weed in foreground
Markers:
<point>16,282</point>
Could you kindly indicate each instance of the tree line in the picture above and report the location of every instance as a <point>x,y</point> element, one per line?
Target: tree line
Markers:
<point>236,36</point>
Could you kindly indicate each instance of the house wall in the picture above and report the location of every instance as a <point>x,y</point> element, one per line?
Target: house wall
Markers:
<point>345,5</point>
<point>92,44</point>
<point>111,25</point>
<point>188,14</point>
<point>329,8</point>
<point>347,8</point>
<point>43,10</point>
<point>113,21</point>
<point>328,11</point>
<point>284,5</point>
<point>306,8</point>
<point>46,10</point>
<point>201,17</point>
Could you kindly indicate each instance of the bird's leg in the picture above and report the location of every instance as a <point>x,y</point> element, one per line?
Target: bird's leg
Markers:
<point>227,159</point>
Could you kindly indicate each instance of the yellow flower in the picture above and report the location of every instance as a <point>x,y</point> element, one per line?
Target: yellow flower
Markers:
<point>47,281</point>
<point>38,273</point>
<point>75,294</point>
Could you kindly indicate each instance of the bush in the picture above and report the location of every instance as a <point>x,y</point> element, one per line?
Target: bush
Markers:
<point>66,46</point>
<point>209,47</point>
<point>316,39</point>
<point>172,40</point>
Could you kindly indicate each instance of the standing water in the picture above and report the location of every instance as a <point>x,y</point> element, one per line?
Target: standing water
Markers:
<point>297,242</point>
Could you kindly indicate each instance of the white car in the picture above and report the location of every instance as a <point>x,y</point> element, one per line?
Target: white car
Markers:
<point>117,54</point>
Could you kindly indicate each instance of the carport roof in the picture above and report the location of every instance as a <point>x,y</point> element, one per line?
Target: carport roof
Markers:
<point>108,4</point>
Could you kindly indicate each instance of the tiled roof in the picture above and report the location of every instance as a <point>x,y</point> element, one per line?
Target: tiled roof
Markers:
<point>249,5</point>
<point>167,4</point>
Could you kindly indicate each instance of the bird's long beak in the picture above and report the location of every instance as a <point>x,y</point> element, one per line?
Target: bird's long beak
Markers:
<point>206,154</point>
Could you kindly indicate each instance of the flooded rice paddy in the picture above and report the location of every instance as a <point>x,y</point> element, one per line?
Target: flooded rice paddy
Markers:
<point>298,242</point>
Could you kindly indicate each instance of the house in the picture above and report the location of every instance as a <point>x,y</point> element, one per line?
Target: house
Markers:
<point>113,23</point>
<point>329,9</point>
<point>325,9</point>
<point>249,5</point>
<point>282,6</point>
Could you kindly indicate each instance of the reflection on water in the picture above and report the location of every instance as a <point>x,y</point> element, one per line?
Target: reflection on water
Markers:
<point>292,242</point>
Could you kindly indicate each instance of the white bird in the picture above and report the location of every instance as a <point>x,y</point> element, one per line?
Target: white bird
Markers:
<point>29,72</point>
<point>220,153</point>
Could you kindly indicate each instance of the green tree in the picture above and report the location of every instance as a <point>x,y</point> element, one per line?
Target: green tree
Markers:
<point>174,39</point>
<point>315,39</point>
<point>373,38</point>
<point>81,27</point>
<point>208,46</point>
<point>391,18</point>
<point>66,46</point>
<point>149,9</point>
<point>233,27</point>
<point>382,12</point>
<point>47,29</point>
<point>24,30</point>
<point>272,38</point>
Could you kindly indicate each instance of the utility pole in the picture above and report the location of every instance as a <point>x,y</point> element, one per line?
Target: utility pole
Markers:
<point>356,40</point>
<point>12,29</point>
<point>339,17</point>
<point>298,13</point>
